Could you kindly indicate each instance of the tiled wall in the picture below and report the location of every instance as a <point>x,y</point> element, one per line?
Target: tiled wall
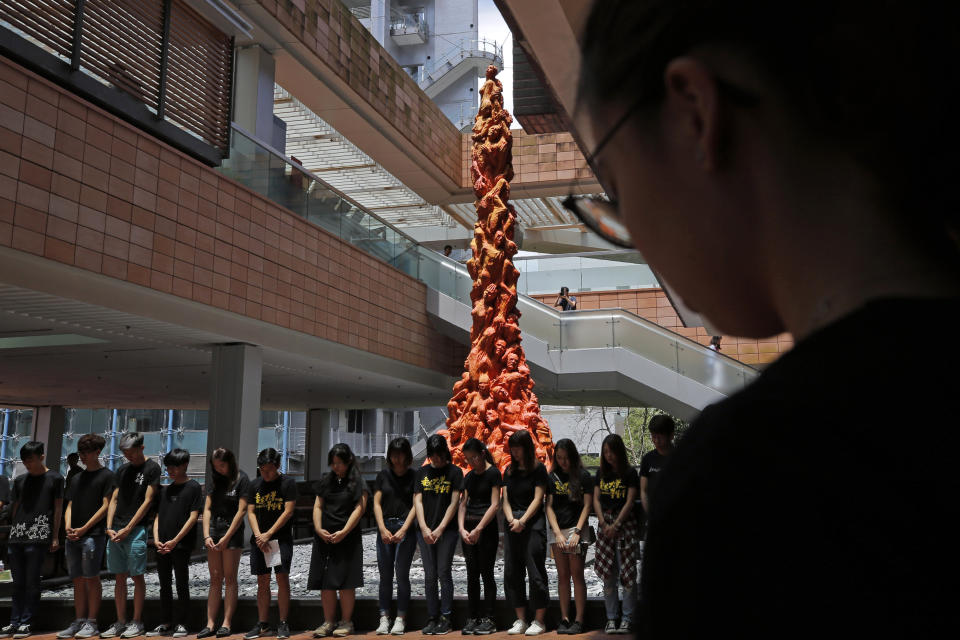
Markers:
<point>335,35</point>
<point>84,188</point>
<point>653,304</point>
<point>538,157</point>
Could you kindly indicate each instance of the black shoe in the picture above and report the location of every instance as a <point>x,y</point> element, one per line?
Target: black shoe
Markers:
<point>562,626</point>
<point>261,630</point>
<point>8,630</point>
<point>283,629</point>
<point>442,626</point>
<point>223,632</point>
<point>469,626</point>
<point>575,629</point>
<point>428,630</point>
<point>206,632</point>
<point>485,626</point>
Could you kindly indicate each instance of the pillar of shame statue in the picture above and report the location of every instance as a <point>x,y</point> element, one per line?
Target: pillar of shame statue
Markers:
<point>494,397</point>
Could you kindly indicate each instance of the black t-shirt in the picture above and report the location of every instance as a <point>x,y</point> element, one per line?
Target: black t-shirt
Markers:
<point>269,499</point>
<point>437,486</point>
<point>521,487</point>
<point>132,483</point>
<point>397,498</point>
<point>566,510</point>
<point>815,497</point>
<point>176,503</point>
<point>651,464</point>
<point>35,497</point>
<point>479,488</point>
<point>338,500</point>
<point>225,497</point>
<point>613,489</point>
<point>87,491</point>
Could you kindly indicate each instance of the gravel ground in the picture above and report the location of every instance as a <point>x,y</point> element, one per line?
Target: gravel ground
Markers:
<point>199,576</point>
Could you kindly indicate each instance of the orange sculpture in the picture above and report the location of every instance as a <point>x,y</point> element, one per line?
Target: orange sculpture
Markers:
<point>494,398</point>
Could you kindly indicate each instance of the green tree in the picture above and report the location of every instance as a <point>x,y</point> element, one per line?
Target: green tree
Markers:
<point>636,434</point>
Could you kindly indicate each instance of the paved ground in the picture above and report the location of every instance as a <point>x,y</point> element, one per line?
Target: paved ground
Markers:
<point>551,635</point>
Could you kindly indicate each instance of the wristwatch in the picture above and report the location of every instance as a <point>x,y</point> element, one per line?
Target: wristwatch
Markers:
<point>576,530</point>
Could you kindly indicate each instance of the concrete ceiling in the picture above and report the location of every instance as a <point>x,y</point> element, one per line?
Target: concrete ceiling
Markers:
<point>156,349</point>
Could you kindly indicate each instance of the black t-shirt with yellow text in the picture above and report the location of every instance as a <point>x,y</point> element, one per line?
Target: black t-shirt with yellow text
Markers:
<point>436,486</point>
<point>268,500</point>
<point>613,489</point>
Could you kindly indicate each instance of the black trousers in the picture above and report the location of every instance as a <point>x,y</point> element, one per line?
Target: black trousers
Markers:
<point>177,562</point>
<point>480,559</point>
<point>526,553</point>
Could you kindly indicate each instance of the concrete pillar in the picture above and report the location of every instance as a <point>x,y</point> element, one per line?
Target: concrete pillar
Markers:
<point>320,422</point>
<point>49,423</point>
<point>380,21</point>
<point>253,98</point>
<point>235,403</point>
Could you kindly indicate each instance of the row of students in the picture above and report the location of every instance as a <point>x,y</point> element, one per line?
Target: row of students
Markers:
<point>539,509</point>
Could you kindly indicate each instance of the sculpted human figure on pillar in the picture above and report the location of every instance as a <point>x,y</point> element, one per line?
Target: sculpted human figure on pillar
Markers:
<point>494,398</point>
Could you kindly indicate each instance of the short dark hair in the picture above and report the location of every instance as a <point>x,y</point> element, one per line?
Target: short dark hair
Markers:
<point>662,424</point>
<point>73,457</point>
<point>269,456</point>
<point>30,449</point>
<point>131,440</point>
<point>91,442</point>
<point>400,445</point>
<point>176,458</point>
<point>437,446</point>
<point>523,440</point>
<point>447,246</point>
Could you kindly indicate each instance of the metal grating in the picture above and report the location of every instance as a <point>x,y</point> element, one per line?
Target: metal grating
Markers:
<point>322,150</point>
<point>531,212</point>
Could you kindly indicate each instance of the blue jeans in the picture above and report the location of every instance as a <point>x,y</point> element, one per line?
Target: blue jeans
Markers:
<point>437,562</point>
<point>397,556</point>
<point>25,561</point>
<point>611,592</point>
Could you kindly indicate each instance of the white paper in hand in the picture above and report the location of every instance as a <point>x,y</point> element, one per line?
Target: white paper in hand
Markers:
<point>272,555</point>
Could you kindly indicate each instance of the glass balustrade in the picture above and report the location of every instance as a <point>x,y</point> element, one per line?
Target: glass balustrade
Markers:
<point>270,174</point>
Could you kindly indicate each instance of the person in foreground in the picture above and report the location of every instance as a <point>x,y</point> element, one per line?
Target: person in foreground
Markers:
<point>812,149</point>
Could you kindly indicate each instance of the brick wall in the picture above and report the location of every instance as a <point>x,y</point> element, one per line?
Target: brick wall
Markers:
<point>538,157</point>
<point>653,304</point>
<point>84,188</point>
<point>338,39</point>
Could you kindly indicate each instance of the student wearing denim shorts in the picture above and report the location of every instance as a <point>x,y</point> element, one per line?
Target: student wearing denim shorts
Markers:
<point>85,521</point>
<point>130,509</point>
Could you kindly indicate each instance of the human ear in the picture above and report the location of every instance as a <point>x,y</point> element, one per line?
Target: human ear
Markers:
<point>693,98</point>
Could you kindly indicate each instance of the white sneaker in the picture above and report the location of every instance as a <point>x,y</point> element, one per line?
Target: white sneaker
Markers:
<point>611,627</point>
<point>384,627</point>
<point>398,627</point>
<point>535,629</point>
<point>518,627</point>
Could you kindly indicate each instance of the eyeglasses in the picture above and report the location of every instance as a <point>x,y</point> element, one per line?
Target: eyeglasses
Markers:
<point>601,213</point>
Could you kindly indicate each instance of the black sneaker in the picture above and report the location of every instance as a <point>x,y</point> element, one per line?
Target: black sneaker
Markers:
<point>283,629</point>
<point>575,629</point>
<point>23,631</point>
<point>442,626</point>
<point>484,627</point>
<point>562,626</point>
<point>223,632</point>
<point>8,631</point>
<point>206,632</point>
<point>260,630</point>
<point>428,630</point>
<point>469,626</point>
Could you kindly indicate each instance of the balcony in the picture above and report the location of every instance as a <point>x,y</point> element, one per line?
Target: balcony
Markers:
<point>409,28</point>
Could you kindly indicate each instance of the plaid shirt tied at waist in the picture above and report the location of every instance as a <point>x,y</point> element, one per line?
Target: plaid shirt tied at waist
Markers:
<point>627,543</point>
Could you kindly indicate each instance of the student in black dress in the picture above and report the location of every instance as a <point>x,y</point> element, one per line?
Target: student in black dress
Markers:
<point>480,534</point>
<point>525,547</point>
<point>223,511</point>
<point>36,507</point>
<point>436,496</point>
<point>618,547</point>
<point>393,510</point>
<point>337,560</point>
<point>569,499</point>
<point>175,536</point>
<point>270,503</point>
